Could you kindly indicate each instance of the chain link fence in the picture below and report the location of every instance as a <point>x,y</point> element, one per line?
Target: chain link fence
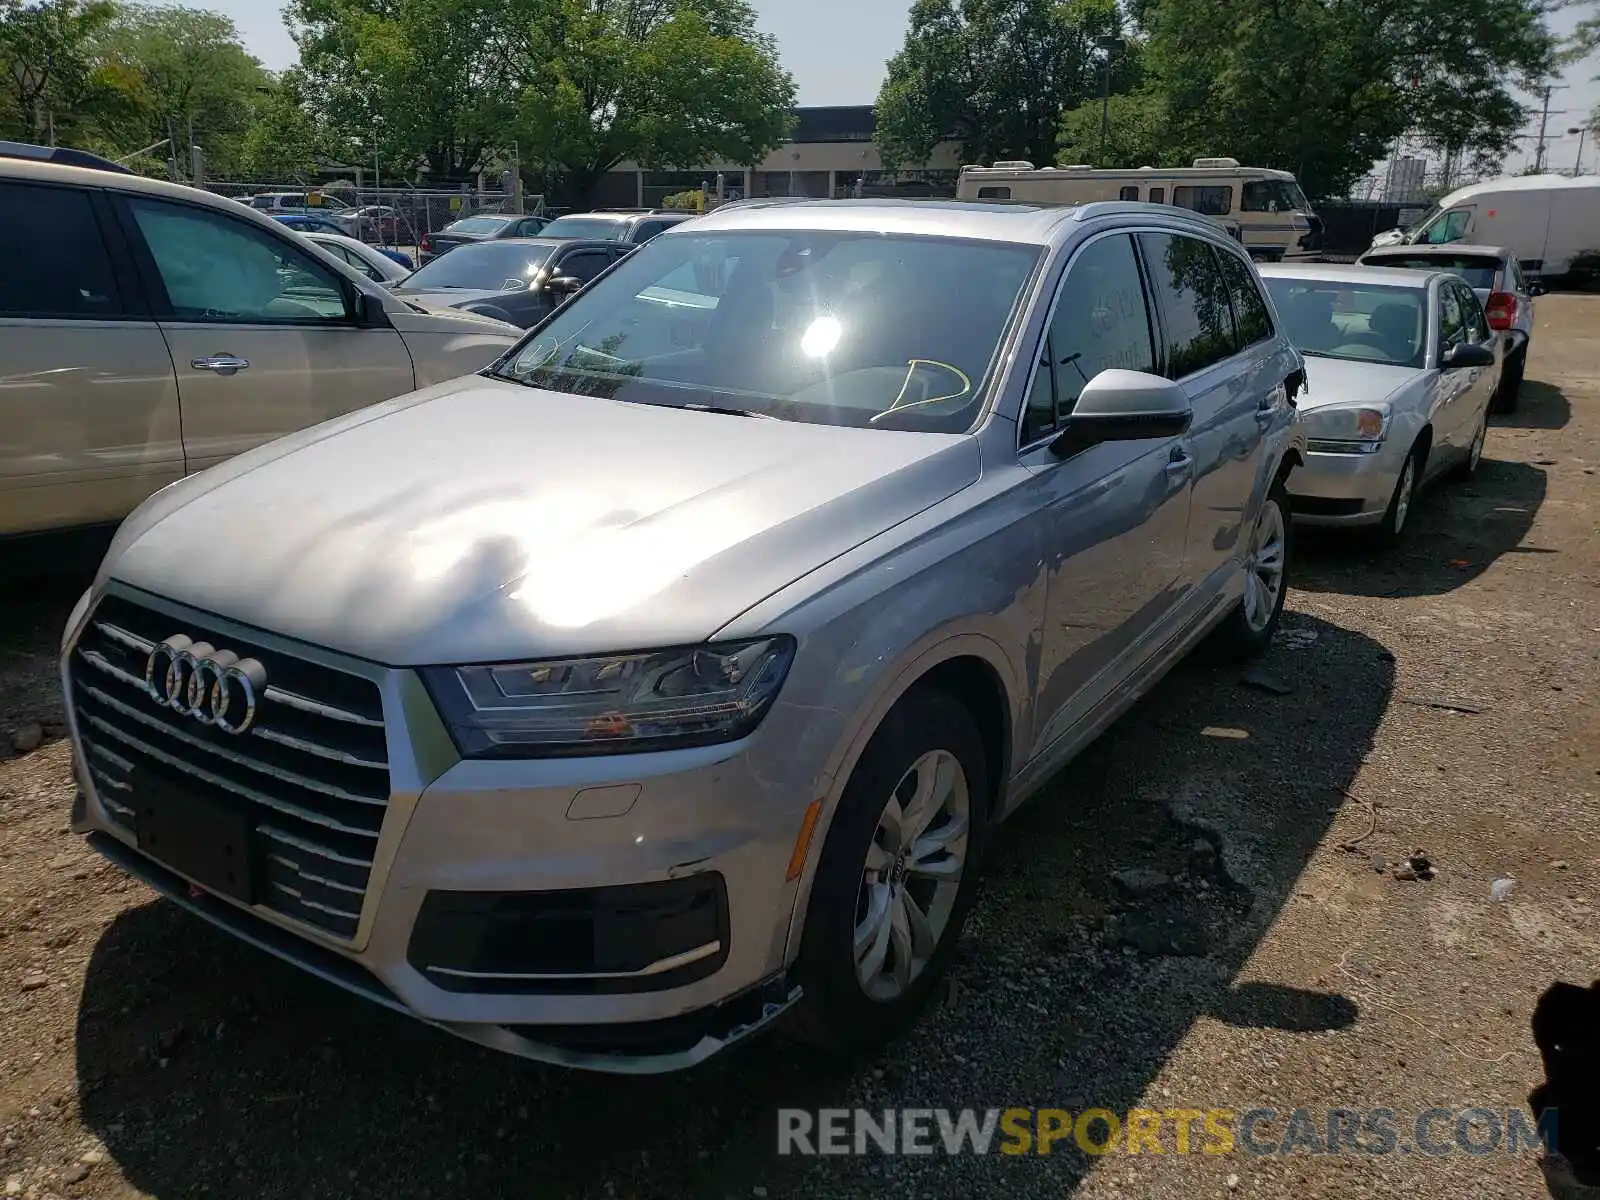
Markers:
<point>392,217</point>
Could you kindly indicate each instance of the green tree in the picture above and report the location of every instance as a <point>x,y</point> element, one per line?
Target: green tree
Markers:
<point>662,84</point>
<point>1323,87</point>
<point>49,80</point>
<point>188,72</point>
<point>996,74</point>
<point>284,141</point>
<point>416,81</point>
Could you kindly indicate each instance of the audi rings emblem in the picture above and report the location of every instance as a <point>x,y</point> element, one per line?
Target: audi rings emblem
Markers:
<point>215,687</point>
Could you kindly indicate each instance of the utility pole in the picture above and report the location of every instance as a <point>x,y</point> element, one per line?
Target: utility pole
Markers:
<point>1544,121</point>
<point>1577,163</point>
<point>1110,44</point>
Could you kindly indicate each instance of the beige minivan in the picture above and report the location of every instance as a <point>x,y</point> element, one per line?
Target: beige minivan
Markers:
<point>150,330</point>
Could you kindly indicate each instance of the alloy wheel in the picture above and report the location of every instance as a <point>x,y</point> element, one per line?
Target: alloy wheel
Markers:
<point>1264,567</point>
<point>912,875</point>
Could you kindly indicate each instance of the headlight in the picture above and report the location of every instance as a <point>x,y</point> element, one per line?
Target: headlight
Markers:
<point>1346,430</point>
<point>613,704</point>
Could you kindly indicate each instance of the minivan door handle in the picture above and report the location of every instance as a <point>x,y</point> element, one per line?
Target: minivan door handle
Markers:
<point>222,364</point>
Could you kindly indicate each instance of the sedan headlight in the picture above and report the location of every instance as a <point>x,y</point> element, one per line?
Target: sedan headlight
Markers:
<point>612,704</point>
<point>1358,430</point>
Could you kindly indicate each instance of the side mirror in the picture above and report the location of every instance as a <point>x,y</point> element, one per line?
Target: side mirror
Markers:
<point>1535,287</point>
<point>563,288</point>
<point>1467,354</point>
<point>370,313</point>
<point>1124,406</point>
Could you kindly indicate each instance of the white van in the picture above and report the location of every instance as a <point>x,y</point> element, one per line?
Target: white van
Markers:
<point>1548,220</point>
<point>1274,218</point>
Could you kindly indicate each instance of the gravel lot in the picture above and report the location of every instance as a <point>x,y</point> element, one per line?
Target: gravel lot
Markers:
<point>1445,692</point>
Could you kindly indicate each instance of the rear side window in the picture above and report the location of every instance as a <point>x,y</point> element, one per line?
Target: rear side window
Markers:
<point>1213,201</point>
<point>53,261</point>
<point>1250,315</point>
<point>1128,193</point>
<point>1158,195</point>
<point>1194,299</point>
<point>1100,322</point>
<point>994,193</point>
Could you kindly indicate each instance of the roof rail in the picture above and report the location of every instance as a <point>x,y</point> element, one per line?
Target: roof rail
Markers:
<point>63,156</point>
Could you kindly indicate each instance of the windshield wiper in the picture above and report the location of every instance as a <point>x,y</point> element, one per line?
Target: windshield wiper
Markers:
<point>722,410</point>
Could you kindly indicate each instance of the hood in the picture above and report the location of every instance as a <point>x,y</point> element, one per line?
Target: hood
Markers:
<point>481,520</point>
<point>451,321</point>
<point>448,297</point>
<point>1338,381</point>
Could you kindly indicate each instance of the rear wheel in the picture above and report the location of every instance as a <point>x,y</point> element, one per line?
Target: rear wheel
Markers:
<point>895,878</point>
<point>1249,628</point>
<point>1510,389</point>
<point>1468,467</point>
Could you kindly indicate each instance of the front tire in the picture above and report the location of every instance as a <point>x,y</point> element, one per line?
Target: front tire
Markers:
<point>896,876</point>
<point>1248,630</point>
<point>1397,517</point>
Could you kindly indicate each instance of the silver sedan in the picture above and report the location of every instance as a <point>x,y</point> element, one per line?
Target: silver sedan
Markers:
<point>1401,366</point>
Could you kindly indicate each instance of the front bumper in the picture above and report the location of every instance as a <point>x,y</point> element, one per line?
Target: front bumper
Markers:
<point>1344,489</point>
<point>450,829</point>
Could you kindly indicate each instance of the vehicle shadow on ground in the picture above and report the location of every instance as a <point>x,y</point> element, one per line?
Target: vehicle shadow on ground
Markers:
<point>1539,406</point>
<point>1457,532</point>
<point>34,607</point>
<point>208,1067</point>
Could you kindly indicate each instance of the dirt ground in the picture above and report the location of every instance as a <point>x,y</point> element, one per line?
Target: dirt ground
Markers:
<point>1444,695</point>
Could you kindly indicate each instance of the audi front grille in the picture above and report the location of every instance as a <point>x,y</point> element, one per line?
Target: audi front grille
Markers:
<point>304,784</point>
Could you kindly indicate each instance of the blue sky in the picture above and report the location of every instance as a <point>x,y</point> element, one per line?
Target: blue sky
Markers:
<point>836,50</point>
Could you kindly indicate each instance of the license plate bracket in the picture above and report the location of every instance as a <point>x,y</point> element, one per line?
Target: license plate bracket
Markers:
<point>203,839</point>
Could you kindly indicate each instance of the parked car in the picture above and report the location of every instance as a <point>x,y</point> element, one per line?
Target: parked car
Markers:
<point>1496,278</point>
<point>308,223</point>
<point>272,203</point>
<point>520,280</point>
<point>162,329</point>
<point>377,222</point>
<point>672,673</point>
<point>484,227</point>
<point>632,226</point>
<point>1401,366</point>
<point>383,267</point>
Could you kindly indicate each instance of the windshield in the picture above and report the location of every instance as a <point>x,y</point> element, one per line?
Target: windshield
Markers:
<point>601,229</point>
<point>1274,195</point>
<point>1427,215</point>
<point>851,328</point>
<point>1477,270</point>
<point>476,225</point>
<point>1358,322</point>
<point>484,267</point>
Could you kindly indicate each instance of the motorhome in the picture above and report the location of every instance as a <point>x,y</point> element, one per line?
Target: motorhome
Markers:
<point>1548,220</point>
<point>1273,215</point>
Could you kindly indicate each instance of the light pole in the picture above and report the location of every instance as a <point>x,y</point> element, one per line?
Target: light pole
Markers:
<point>1581,131</point>
<point>1109,43</point>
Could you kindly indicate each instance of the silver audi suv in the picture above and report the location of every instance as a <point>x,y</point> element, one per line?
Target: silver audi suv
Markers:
<point>670,674</point>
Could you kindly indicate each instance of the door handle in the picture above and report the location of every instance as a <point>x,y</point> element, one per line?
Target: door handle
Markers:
<point>1179,463</point>
<point>222,364</point>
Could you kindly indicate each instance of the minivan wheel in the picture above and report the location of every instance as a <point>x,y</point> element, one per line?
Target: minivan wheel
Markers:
<point>895,878</point>
<point>1248,630</point>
